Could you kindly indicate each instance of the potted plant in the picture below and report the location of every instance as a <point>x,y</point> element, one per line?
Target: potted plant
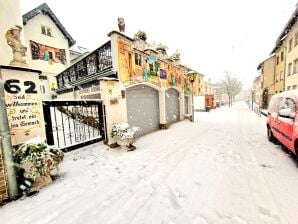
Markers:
<point>124,135</point>
<point>35,161</point>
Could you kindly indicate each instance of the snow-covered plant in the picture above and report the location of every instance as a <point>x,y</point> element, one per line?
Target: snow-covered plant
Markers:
<point>122,131</point>
<point>37,158</point>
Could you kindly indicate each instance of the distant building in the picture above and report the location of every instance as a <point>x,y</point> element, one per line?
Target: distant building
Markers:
<point>257,90</point>
<point>220,96</point>
<point>207,87</point>
<point>266,69</point>
<point>76,53</point>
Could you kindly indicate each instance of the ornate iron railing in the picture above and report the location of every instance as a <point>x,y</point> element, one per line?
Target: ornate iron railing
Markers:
<point>96,62</point>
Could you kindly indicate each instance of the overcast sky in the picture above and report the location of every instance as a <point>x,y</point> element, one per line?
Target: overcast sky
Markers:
<point>212,36</point>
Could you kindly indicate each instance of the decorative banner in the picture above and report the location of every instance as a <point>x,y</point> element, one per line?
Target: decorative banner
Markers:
<point>163,74</point>
<point>23,104</point>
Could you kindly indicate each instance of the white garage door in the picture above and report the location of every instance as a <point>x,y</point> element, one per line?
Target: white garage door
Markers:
<point>172,106</point>
<point>143,108</point>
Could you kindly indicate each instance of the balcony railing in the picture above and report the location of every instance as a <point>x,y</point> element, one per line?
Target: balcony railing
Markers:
<point>94,63</point>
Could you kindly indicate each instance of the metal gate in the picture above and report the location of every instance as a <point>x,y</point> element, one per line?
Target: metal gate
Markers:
<point>172,106</point>
<point>143,108</point>
<point>73,124</point>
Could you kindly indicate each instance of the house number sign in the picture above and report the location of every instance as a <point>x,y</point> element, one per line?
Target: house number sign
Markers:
<point>23,105</point>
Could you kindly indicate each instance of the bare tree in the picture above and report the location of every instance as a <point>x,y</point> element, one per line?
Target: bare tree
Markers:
<point>232,86</point>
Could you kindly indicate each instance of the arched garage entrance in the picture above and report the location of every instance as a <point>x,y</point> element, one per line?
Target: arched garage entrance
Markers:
<point>143,108</point>
<point>172,106</point>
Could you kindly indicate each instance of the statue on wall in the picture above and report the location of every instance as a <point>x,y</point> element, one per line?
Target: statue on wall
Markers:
<point>18,49</point>
<point>141,35</point>
<point>176,56</point>
<point>121,24</point>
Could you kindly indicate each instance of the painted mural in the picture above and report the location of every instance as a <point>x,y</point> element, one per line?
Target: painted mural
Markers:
<point>124,60</point>
<point>140,66</point>
<point>50,54</point>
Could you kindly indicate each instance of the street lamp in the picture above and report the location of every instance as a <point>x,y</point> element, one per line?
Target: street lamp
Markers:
<point>191,75</point>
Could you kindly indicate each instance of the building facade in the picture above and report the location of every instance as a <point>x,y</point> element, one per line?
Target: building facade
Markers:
<point>48,46</point>
<point>291,77</point>
<point>267,71</point>
<point>280,68</point>
<point>138,83</point>
<point>257,88</point>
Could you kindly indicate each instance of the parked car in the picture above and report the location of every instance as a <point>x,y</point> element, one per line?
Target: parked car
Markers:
<point>282,120</point>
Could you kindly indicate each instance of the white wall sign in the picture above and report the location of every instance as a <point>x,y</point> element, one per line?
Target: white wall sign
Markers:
<point>23,103</point>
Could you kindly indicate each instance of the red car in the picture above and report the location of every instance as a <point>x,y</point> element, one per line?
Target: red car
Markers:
<point>282,120</point>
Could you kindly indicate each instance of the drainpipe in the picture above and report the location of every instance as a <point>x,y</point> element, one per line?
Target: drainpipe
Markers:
<point>6,147</point>
<point>285,67</point>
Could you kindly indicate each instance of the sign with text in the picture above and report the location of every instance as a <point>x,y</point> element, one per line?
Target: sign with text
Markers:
<point>23,104</point>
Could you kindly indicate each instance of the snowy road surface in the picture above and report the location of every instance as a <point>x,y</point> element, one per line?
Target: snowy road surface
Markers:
<point>219,170</point>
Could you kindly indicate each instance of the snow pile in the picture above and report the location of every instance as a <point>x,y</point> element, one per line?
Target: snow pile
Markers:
<point>123,131</point>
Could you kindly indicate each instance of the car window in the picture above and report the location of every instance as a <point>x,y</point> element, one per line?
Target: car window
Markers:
<point>289,104</point>
<point>277,104</point>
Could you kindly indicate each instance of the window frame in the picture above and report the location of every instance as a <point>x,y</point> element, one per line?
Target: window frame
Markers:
<point>45,30</point>
<point>295,66</point>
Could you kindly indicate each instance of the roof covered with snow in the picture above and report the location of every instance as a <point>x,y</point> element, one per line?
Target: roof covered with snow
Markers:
<point>291,22</point>
<point>45,9</point>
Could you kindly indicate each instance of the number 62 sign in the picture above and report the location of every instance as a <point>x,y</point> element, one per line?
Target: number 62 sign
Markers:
<point>13,86</point>
<point>23,104</point>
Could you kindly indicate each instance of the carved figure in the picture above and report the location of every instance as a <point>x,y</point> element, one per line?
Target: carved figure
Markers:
<point>141,35</point>
<point>176,56</point>
<point>162,49</point>
<point>18,49</point>
<point>121,24</point>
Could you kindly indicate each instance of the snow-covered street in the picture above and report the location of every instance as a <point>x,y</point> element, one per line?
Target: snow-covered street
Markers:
<point>219,170</point>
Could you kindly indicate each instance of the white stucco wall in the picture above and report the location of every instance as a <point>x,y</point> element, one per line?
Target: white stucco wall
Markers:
<point>10,15</point>
<point>117,112</point>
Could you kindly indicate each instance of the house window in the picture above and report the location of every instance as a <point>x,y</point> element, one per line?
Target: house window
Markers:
<point>43,30</point>
<point>289,104</point>
<point>281,56</point>
<point>138,59</point>
<point>290,44</point>
<point>289,87</point>
<point>294,87</point>
<point>46,31</point>
<point>277,60</point>
<point>289,68</point>
<point>151,67</point>
<point>295,67</point>
<point>296,39</point>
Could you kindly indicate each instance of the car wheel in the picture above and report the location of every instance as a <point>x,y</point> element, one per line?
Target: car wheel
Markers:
<point>270,135</point>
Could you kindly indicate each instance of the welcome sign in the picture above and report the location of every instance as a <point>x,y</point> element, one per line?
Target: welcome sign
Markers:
<point>23,103</point>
